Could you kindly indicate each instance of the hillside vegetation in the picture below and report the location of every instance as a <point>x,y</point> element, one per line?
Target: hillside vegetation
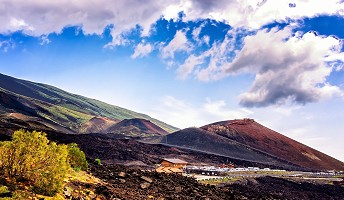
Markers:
<point>60,110</point>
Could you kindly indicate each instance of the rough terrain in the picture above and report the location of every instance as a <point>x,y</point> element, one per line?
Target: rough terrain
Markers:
<point>124,183</point>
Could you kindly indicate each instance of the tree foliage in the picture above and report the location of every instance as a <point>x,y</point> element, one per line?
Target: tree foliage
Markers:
<point>76,157</point>
<point>30,157</point>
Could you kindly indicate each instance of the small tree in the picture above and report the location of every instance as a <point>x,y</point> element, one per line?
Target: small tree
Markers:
<point>31,157</point>
<point>76,157</point>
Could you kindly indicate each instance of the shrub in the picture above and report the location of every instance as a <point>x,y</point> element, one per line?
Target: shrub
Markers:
<point>97,161</point>
<point>76,157</point>
<point>30,157</point>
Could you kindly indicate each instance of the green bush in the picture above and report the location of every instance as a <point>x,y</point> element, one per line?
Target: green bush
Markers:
<point>97,161</point>
<point>31,158</point>
<point>76,158</point>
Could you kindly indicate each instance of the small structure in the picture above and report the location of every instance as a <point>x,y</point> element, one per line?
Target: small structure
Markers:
<point>168,170</point>
<point>173,162</point>
<point>229,165</point>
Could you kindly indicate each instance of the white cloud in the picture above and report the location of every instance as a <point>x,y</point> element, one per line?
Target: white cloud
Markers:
<point>196,35</point>
<point>179,43</point>
<point>292,70</point>
<point>20,24</point>
<point>183,114</point>
<point>219,55</point>
<point>196,32</point>
<point>5,45</point>
<point>287,68</point>
<point>255,13</point>
<point>188,66</point>
<point>142,50</point>
<point>36,17</point>
<point>206,39</point>
<point>218,110</point>
<point>286,111</point>
<point>44,40</point>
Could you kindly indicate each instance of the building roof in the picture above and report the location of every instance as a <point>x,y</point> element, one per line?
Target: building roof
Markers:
<point>168,170</point>
<point>175,160</point>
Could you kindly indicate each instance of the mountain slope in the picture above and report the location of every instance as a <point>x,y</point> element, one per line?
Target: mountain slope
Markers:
<point>59,107</point>
<point>204,141</point>
<point>97,125</point>
<point>255,135</point>
<point>136,127</point>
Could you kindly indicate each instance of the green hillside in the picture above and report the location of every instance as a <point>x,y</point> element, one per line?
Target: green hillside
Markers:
<point>61,107</point>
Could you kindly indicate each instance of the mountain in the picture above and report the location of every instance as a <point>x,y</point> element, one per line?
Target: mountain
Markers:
<point>208,142</point>
<point>136,127</point>
<point>205,141</point>
<point>25,104</point>
<point>245,139</point>
<point>36,106</point>
<point>255,135</point>
<point>97,125</point>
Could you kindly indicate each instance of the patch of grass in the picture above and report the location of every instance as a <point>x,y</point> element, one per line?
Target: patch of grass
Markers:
<point>82,176</point>
<point>260,172</point>
<point>221,180</point>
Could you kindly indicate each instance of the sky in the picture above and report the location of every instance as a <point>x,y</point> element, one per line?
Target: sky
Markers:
<point>190,62</point>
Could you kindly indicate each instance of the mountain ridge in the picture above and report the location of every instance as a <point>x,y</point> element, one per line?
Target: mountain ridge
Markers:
<point>53,104</point>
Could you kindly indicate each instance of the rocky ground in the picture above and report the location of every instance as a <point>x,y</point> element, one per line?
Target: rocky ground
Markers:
<point>125,183</point>
<point>118,149</point>
<point>119,182</point>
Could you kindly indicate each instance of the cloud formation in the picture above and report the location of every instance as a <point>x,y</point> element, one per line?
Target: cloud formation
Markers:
<point>254,14</point>
<point>179,43</point>
<point>183,114</point>
<point>142,50</point>
<point>36,17</point>
<point>5,45</point>
<point>292,70</point>
<point>287,67</point>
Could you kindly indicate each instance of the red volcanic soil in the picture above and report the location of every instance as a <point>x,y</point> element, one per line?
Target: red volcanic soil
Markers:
<point>97,125</point>
<point>205,141</point>
<point>255,135</point>
<point>137,127</point>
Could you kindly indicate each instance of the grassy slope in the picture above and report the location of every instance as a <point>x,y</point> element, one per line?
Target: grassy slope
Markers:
<point>63,105</point>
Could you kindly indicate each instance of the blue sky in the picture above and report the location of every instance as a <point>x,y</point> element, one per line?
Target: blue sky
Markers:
<point>190,62</point>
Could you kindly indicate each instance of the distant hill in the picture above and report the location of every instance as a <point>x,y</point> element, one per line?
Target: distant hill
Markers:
<point>26,104</point>
<point>136,127</point>
<point>255,135</point>
<point>97,125</point>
